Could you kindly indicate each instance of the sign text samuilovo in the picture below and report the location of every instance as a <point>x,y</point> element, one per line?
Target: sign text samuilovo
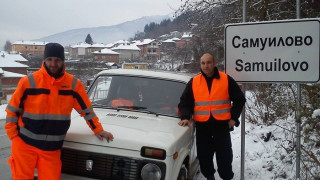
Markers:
<point>276,51</point>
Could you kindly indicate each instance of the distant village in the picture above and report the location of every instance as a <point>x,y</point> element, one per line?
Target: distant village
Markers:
<point>167,52</point>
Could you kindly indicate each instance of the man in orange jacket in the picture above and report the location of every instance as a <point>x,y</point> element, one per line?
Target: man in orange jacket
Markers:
<point>38,117</point>
<point>208,98</point>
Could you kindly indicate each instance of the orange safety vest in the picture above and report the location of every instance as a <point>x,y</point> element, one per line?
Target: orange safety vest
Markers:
<point>217,102</point>
<point>39,111</point>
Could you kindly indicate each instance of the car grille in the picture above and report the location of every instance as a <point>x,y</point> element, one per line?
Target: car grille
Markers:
<point>104,166</point>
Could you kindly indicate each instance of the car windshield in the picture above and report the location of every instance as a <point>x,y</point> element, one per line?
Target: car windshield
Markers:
<point>143,94</point>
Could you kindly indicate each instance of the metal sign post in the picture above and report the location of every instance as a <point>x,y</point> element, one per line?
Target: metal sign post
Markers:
<point>298,121</point>
<point>243,130</point>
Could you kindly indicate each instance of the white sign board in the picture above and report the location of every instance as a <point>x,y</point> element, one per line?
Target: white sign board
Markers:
<point>276,51</point>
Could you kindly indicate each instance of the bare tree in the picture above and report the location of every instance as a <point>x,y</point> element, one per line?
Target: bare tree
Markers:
<point>7,46</point>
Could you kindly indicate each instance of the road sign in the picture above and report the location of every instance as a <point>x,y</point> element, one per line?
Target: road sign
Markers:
<point>275,51</point>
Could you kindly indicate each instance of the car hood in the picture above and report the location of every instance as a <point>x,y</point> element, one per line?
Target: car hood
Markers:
<point>131,130</point>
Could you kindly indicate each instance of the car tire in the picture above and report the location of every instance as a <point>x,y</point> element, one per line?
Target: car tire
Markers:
<point>183,173</point>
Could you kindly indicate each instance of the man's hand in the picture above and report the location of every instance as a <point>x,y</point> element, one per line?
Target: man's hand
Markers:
<point>104,134</point>
<point>231,123</point>
<point>185,122</point>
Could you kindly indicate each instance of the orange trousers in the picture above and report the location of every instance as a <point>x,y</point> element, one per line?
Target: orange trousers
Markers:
<point>25,158</point>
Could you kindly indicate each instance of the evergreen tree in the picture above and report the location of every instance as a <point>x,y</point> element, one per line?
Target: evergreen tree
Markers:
<point>89,39</point>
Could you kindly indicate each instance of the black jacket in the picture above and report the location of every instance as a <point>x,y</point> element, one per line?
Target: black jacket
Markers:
<point>237,98</point>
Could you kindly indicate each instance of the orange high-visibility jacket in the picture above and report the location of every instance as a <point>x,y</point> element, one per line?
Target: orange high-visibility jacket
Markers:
<point>217,102</point>
<point>39,111</point>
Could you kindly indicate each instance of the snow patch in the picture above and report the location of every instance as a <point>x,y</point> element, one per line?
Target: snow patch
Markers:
<point>316,113</point>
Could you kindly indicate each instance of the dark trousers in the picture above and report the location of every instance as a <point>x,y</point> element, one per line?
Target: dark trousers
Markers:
<point>214,138</point>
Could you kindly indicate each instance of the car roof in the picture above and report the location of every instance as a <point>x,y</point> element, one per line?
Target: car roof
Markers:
<point>184,77</point>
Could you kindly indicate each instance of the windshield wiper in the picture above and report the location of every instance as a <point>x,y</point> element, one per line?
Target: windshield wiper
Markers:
<point>133,107</point>
<point>125,107</point>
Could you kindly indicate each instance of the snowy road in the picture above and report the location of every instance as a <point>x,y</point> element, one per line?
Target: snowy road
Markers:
<point>4,153</point>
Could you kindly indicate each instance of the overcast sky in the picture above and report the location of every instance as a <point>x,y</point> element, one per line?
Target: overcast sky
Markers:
<point>32,19</point>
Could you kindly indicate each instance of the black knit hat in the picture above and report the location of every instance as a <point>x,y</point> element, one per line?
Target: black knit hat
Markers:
<point>54,50</point>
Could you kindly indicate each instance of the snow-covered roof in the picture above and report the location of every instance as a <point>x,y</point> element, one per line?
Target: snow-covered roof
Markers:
<point>12,74</point>
<point>144,42</point>
<point>186,35</point>
<point>168,41</point>
<point>175,39</point>
<point>105,51</point>
<point>13,56</point>
<point>81,45</point>
<point>148,73</point>
<point>1,71</point>
<point>121,42</point>
<point>98,45</point>
<point>31,42</point>
<point>111,64</point>
<point>110,45</point>
<point>126,47</point>
<point>4,62</point>
<point>165,35</point>
<point>86,45</point>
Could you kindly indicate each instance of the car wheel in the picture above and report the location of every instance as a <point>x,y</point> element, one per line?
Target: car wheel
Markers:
<point>183,173</point>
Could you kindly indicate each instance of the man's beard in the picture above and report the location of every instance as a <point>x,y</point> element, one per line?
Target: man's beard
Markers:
<point>55,75</point>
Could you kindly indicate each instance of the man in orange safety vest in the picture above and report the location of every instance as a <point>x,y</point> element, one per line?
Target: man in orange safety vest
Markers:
<point>38,117</point>
<point>215,101</point>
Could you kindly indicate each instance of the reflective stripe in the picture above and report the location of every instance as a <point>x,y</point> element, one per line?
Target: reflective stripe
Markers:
<point>202,103</point>
<point>90,116</point>
<point>11,119</point>
<point>46,116</point>
<point>206,103</point>
<point>88,110</point>
<point>74,83</point>
<point>32,82</point>
<point>201,113</point>
<point>13,109</point>
<point>41,137</point>
<point>220,102</point>
<point>220,111</point>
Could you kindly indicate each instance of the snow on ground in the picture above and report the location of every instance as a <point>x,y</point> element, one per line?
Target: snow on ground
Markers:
<point>263,160</point>
<point>3,113</point>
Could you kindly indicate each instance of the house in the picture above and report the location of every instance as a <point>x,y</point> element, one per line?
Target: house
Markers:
<point>10,74</point>
<point>186,40</point>
<point>168,44</point>
<point>8,84</point>
<point>29,47</point>
<point>85,50</point>
<point>128,52</point>
<point>106,55</point>
<point>150,49</point>
<point>94,47</point>
<point>120,42</point>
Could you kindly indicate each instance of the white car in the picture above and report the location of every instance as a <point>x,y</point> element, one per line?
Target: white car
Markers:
<point>139,108</point>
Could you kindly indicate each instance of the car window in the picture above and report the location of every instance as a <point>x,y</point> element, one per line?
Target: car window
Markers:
<point>137,93</point>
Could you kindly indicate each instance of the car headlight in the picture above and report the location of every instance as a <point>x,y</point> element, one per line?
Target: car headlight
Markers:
<point>151,172</point>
